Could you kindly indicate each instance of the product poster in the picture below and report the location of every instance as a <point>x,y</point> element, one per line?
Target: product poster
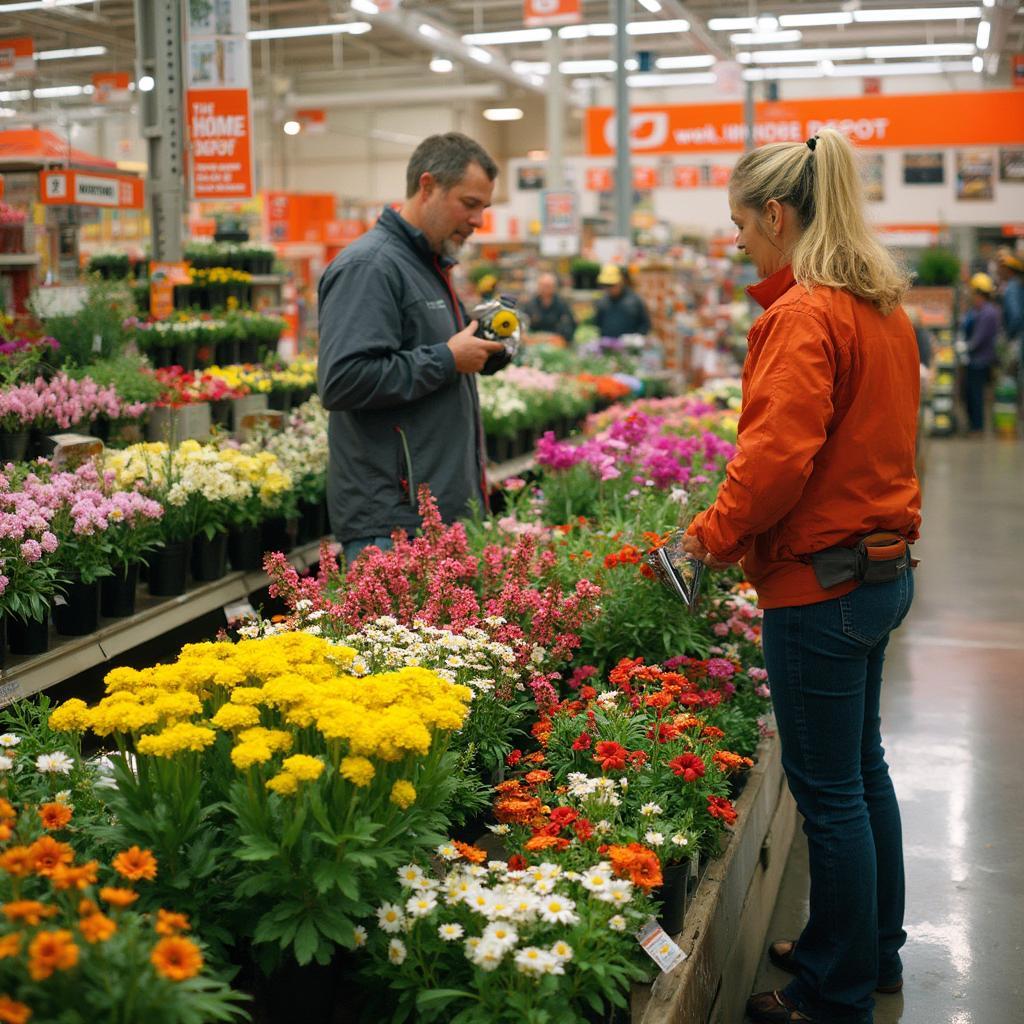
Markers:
<point>924,168</point>
<point>975,174</point>
<point>1011,165</point>
<point>530,179</point>
<point>872,174</point>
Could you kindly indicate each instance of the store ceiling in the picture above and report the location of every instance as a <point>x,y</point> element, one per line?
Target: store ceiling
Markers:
<point>393,54</point>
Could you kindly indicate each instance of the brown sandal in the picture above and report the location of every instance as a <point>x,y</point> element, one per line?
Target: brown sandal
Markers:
<point>775,1008</point>
<point>781,952</point>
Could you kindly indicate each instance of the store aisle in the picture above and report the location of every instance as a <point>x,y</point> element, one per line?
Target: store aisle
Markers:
<point>952,718</point>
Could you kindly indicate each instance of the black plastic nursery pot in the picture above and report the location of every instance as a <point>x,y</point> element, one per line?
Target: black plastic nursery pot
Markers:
<point>79,612</point>
<point>279,534</point>
<point>13,446</point>
<point>209,557</point>
<point>117,592</point>
<point>30,636</point>
<point>312,521</point>
<point>225,353</point>
<point>248,351</point>
<point>168,568</point>
<point>673,895</point>
<point>245,548</point>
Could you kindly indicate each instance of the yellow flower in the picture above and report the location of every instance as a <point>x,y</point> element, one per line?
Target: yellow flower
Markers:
<point>357,770</point>
<point>284,784</point>
<point>71,716</point>
<point>403,794</point>
<point>245,755</point>
<point>303,767</point>
<point>177,738</point>
<point>246,695</point>
<point>235,716</point>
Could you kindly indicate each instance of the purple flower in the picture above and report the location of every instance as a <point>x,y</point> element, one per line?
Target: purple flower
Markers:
<point>719,668</point>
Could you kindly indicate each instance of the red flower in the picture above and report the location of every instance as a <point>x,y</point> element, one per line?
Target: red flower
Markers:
<point>610,756</point>
<point>658,700</point>
<point>583,829</point>
<point>712,732</point>
<point>562,816</point>
<point>588,692</point>
<point>637,758</point>
<point>689,766</point>
<point>517,863</point>
<point>513,758</point>
<point>582,742</point>
<point>664,733</point>
<point>719,807</point>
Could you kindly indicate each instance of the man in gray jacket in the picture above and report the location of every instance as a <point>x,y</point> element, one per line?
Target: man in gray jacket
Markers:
<point>397,359</point>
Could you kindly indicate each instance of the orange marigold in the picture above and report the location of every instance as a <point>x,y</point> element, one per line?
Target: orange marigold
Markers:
<point>29,911</point>
<point>170,923</point>
<point>10,945</point>
<point>13,1012</point>
<point>51,951</point>
<point>472,853</point>
<point>176,958</point>
<point>118,897</point>
<point>537,776</point>
<point>545,843</point>
<point>637,863</point>
<point>47,853</point>
<point>7,811</point>
<point>97,928</point>
<point>65,877</point>
<point>135,864</point>
<point>87,907</point>
<point>17,861</point>
<point>54,816</point>
<point>517,810</point>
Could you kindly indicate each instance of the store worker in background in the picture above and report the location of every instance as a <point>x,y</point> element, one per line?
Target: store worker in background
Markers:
<point>820,502</point>
<point>1011,273</point>
<point>548,312</point>
<point>979,348</point>
<point>620,310</point>
<point>397,360</point>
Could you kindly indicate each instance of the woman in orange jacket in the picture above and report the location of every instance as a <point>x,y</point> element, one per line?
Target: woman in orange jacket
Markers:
<point>820,503</point>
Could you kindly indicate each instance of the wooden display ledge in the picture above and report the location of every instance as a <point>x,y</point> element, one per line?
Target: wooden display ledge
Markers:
<point>496,472</point>
<point>68,656</point>
<point>727,922</point>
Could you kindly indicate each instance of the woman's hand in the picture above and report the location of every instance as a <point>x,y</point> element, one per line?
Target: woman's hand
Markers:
<point>696,550</point>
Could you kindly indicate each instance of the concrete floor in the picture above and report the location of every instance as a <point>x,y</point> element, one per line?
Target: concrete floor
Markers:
<point>952,724</point>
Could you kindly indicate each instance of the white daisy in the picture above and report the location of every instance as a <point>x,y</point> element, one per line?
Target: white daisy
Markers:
<point>562,951</point>
<point>652,838</point>
<point>480,901</point>
<point>558,910</point>
<point>651,810</point>
<point>501,933</point>
<point>603,827</point>
<point>6,763</point>
<point>410,875</point>
<point>596,879</point>
<point>57,763</point>
<point>619,892</point>
<point>499,830</point>
<point>488,955</point>
<point>447,852</point>
<point>680,840</point>
<point>617,923</point>
<point>544,887</point>
<point>390,917</point>
<point>450,932</point>
<point>9,739</point>
<point>532,960</point>
<point>421,904</point>
<point>359,936</point>
<point>396,951</point>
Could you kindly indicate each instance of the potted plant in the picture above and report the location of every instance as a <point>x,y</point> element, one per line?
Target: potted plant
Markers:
<point>584,274</point>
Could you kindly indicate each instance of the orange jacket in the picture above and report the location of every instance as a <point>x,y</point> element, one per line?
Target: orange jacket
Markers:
<point>825,452</point>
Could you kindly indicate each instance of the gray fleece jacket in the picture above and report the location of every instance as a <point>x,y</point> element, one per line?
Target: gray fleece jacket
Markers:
<point>400,414</point>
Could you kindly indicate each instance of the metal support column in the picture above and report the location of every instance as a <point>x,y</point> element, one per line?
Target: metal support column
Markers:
<point>555,115</point>
<point>623,172</point>
<point>748,115</point>
<point>158,33</point>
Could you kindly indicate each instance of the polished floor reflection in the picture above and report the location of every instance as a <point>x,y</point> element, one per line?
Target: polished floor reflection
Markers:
<point>952,722</point>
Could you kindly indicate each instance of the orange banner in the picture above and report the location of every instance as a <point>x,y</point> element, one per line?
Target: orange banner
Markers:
<point>551,12</point>
<point>645,178</point>
<point>298,217</point>
<point>90,188</point>
<point>17,57</point>
<point>162,279</point>
<point>686,177</point>
<point>220,134</point>
<point>941,119</point>
<point>600,179</point>
<point>341,232</point>
<point>111,87</point>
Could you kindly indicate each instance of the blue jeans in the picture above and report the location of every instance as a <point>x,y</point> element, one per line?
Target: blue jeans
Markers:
<point>824,666</point>
<point>352,548</point>
<point>976,379</point>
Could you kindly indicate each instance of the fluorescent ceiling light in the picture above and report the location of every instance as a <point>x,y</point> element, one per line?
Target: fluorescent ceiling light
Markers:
<point>51,92</point>
<point>429,31</point>
<point>480,55</point>
<point>599,28</point>
<point>354,28</point>
<point>531,67</point>
<point>503,114</point>
<point>442,65</point>
<point>16,94</point>
<point>698,60</point>
<point>801,56</point>
<point>365,7</point>
<point>765,38</point>
<point>8,112</point>
<point>977,65</point>
<point>732,24</point>
<point>37,5</point>
<point>809,20</point>
<point>75,51</point>
<point>518,35</point>
<point>919,14</point>
<point>934,67</point>
<point>924,50</point>
<point>984,32</point>
<point>657,28</point>
<point>587,67</point>
<point>652,80</point>
<point>651,5</point>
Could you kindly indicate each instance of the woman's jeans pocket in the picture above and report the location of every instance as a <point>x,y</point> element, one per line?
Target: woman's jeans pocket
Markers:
<point>874,610</point>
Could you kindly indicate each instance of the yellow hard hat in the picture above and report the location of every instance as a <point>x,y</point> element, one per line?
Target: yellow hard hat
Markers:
<point>610,274</point>
<point>1012,262</point>
<point>983,283</point>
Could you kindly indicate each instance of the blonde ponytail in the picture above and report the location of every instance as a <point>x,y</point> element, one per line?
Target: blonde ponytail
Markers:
<point>837,248</point>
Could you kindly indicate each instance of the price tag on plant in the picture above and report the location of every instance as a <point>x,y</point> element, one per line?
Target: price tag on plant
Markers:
<point>659,947</point>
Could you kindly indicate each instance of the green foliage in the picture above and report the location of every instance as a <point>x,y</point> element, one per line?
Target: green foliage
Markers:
<point>128,373</point>
<point>96,330</point>
<point>938,266</point>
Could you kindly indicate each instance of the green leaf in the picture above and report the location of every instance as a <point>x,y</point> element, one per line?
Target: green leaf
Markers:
<point>438,997</point>
<point>307,938</point>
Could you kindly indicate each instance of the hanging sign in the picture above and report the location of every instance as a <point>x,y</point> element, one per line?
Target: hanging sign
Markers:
<point>111,87</point>
<point>538,13</point>
<point>218,101</point>
<point>719,175</point>
<point>645,178</point>
<point>314,122</point>
<point>162,279</point>
<point>78,188</point>
<point>17,57</point>
<point>341,232</point>
<point>600,179</point>
<point>560,222</point>
<point>686,177</point>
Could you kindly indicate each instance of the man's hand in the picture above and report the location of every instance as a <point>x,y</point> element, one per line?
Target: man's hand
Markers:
<point>696,550</point>
<point>471,353</point>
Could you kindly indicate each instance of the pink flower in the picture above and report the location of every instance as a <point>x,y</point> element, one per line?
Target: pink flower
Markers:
<point>720,629</point>
<point>762,691</point>
<point>31,551</point>
<point>757,674</point>
<point>48,542</point>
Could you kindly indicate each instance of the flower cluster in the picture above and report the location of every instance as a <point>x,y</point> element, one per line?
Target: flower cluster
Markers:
<point>62,402</point>
<point>522,396</point>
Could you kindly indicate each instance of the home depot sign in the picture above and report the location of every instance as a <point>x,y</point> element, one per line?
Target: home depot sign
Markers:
<point>943,119</point>
<point>65,188</point>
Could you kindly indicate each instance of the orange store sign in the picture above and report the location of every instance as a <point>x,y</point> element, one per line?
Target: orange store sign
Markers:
<point>941,119</point>
<point>78,188</point>
<point>220,134</point>
<point>551,12</point>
